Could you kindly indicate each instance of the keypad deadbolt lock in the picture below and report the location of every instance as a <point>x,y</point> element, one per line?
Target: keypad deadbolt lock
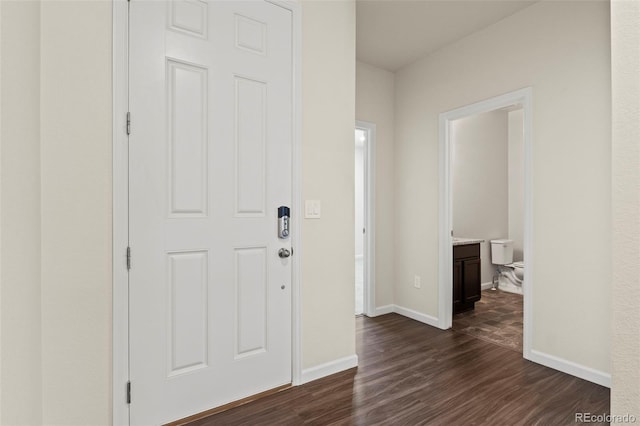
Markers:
<point>283,222</point>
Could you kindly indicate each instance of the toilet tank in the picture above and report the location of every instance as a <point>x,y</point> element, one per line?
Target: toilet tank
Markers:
<point>501,252</point>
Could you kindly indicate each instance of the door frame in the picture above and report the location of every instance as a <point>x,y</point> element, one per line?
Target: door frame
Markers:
<point>120,206</point>
<point>522,97</point>
<point>369,255</point>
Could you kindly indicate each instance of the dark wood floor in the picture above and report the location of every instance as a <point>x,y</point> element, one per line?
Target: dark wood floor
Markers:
<point>497,319</point>
<point>413,374</point>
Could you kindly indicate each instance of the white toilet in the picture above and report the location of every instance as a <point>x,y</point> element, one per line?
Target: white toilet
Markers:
<point>510,274</point>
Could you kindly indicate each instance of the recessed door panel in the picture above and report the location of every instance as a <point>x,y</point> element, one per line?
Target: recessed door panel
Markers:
<point>189,17</point>
<point>187,106</point>
<point>188,277</point>
<point>250,108</point>
<point>251,298</point>
<point>251,34</point>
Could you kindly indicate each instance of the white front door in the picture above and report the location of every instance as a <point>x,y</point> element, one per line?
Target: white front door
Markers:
<point>210,163</point>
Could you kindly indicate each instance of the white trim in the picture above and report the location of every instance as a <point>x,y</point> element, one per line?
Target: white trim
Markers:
<point>1,229</point>
<point>527,290</point>
<point>415,315</point>
<point>383,310</point>
<point>359,257</point>
<point>586,373</point>
<point>445,266</point>
<point>120,212</point>
<point>406,312</point>
<point>369,216</point>
<point>522,97</point>
<point>296,239</point>
<point>120,346</point>
<point>329,368</point>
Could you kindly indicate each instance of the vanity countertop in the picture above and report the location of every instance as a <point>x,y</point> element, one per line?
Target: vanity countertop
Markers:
<point>458,241</point>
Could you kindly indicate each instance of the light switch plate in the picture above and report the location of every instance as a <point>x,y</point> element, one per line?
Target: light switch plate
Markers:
<point>312,209</point>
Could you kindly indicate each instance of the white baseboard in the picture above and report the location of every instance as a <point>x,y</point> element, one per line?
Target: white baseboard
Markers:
<point>406,312</point>
<point>383,310</point>
<point>486,286</point>
<point>410,313</point>
<point>570,367</point>
<point>328,368</point>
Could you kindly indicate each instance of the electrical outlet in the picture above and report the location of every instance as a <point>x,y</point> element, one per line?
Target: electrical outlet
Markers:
<point>416,281</point>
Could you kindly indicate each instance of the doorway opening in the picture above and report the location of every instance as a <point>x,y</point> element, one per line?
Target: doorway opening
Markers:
<point>514,100</point>
<point>364,284</point>
<point>487,184</point>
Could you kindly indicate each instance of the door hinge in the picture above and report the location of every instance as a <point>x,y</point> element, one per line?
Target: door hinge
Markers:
<point>128,258</point>
<point>128,123</point>
<point>129,392</point>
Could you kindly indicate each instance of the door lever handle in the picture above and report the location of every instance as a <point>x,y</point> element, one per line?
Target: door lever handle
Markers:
<point>284,253</point>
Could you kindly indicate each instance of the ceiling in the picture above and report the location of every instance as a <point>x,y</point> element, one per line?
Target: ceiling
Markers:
<point>393,33</point>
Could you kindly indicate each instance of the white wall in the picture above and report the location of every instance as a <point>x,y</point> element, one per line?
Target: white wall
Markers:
<point>328,122</point>
<point>480,198</point>
<point>56,212</point>
<point>625,392</point>
<point>20,367</point>
<point>561,49</point>
<point>516,182</point>
<point>76,211</point>
<point>375,104</point>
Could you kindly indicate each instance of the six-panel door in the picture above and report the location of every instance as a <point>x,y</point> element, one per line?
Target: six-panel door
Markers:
<point>210,162</point>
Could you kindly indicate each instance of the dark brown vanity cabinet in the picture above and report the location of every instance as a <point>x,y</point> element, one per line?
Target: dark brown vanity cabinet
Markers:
<point>466,277</point>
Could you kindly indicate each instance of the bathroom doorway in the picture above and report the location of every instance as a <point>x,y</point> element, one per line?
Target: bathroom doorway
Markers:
<point>364,218</point>
<point>465,242</point>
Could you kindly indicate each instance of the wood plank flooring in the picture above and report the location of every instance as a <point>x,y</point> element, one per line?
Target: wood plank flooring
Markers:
<point>497,319</point>
<point>413,374</point>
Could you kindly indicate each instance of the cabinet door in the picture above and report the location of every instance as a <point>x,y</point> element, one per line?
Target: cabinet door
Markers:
<point>457,283</point>
<point>471,280</point>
